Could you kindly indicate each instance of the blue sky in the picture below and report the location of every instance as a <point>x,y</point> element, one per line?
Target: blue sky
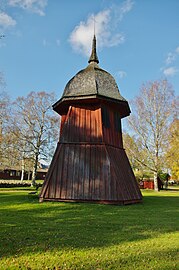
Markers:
<point>48,41</point>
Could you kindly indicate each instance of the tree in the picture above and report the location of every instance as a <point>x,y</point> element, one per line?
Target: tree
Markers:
<point>6,138</point>
<point>4,112</point>
<point>132,150</point>
<point>35,126</point>
<point>172,154</point>
<point>153,112</point>
<point>137,156</point>
<point>2,82</point>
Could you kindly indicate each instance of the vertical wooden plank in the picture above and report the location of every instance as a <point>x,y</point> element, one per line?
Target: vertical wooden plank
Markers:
<point>81,172</point>
<point>93,126</point>
<point>97,125</point>
<point>97,170</point>
<point>76,173</point>
<point>87,172</point>
<point>88,126</point>
<point>70,172</point>
<point>59,165</point>
<point>65,172</point>
<point>107,174</point>
<point>104,173</point>
<point>83,124</point>
<point>94,195</point>
<point>108,179</point>
<point>78,125</point>
<point>91,186</point>
<point>63,117</point>
<point>46,193</point>
<point>52,188</point>
<point>45,189</point>
<point>101,185</point>
<point>119,171</point>
<point>99,121</point>
<point>74,124</point>
<point>71,125</point>
<point>65,133</point>
<point>101,125</point>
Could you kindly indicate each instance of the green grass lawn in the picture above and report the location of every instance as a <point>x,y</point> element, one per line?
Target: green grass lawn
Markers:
<point>71,236</point>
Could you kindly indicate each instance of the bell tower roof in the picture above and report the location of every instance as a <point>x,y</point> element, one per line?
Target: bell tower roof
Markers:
<point>92,83</point>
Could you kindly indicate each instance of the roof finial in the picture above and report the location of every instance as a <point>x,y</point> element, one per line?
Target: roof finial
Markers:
<point>93,57</point>
<point>94,24</point>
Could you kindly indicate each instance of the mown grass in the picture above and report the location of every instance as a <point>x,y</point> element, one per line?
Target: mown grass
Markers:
<point>72,236</point>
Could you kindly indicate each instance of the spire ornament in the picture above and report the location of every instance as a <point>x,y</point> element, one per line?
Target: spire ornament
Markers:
<point>93,57</point>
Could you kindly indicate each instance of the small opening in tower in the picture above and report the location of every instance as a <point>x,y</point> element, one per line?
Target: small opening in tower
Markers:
<point>105,117</point>
<point>117,121</point>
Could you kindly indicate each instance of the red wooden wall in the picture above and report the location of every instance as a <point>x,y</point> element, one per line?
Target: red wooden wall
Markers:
<point>89,163</point>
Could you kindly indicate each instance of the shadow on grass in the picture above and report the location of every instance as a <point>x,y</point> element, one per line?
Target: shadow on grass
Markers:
<point>27,226</point>
<point>172,189</point>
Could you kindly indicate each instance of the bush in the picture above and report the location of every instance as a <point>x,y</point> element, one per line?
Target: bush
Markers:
<point>15,183</point>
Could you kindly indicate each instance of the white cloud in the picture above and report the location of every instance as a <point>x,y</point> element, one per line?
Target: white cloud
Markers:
<point>126,7</point>
<point>170,58</point>
<point>6,21</point>
<point>177,50</point>
<point>58,42</point>
<point>35,6</point>
<point>2,44</point>
<point>106,24</point>
<point>120,11</point>
<point>45,43</point>
<point>171,71</point>
<point>122,74</point>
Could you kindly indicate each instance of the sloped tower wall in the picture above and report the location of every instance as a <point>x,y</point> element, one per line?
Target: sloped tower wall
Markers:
<point>90,163</point>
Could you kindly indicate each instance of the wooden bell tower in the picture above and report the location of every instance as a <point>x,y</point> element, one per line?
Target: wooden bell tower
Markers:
<point>90,164</point>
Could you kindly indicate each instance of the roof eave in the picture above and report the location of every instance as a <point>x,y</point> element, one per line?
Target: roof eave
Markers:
<point>62,104</point>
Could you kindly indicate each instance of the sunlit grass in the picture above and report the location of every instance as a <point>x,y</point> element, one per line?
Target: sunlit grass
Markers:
<point>71,236</point>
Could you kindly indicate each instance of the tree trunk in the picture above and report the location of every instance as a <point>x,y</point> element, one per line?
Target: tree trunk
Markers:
<point>29,175</point>
<point>34,173</point>
<point>33,183</point>
<point>23,170</point>
<point>155,182</point>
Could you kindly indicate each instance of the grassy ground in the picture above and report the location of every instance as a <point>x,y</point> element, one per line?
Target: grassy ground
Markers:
<point>88,236</point>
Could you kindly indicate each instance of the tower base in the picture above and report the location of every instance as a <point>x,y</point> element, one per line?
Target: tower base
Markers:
<point>83,172</point>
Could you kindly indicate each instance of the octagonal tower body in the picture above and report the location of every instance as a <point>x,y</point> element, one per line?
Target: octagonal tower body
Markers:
<point>90,163</point>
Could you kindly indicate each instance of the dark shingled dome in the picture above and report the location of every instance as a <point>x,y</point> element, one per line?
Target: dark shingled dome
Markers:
<point>92,83</point>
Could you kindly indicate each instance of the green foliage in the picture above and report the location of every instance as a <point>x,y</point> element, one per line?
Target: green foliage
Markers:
<point>71,236</point>
<point>18,183</point>
<point>163,176</point>
<point>153,111</point>
<point>143,174</point>
<point>172,154</point>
